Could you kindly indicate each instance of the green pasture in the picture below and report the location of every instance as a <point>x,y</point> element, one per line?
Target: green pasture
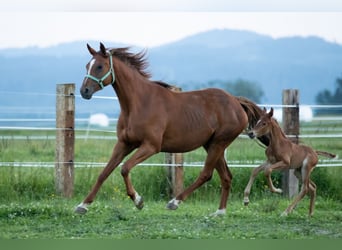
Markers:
<point>30,207</point>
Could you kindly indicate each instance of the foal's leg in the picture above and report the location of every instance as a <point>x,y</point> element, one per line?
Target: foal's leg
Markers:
<point>119,152</point>
<point>254,174</point>
<point>144,151</point>
<point>304,190</point>
<point>268,171</point>
<point>312,191</point>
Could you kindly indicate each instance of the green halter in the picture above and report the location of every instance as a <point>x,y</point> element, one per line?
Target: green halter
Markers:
<point>100,80</point>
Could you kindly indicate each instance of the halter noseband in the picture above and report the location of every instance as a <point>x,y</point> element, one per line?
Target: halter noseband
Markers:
<point>100,80</point>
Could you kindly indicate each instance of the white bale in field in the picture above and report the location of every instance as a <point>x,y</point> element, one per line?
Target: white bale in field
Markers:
<point>99,119</point>
<point>305,114</point>
<point>278,114</point>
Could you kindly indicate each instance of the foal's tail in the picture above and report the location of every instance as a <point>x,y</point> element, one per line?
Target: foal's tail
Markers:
<point>253,112</point>
<point>326,154</point>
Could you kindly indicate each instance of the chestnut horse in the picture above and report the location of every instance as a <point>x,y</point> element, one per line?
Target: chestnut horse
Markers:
<point>284,154</point>
<point>155,119</point>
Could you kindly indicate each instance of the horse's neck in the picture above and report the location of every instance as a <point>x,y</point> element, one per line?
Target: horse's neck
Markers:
<point>127,87</point>
<point>277,136</point>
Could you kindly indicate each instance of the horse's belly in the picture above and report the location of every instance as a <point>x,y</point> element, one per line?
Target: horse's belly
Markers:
<point>184,143</point>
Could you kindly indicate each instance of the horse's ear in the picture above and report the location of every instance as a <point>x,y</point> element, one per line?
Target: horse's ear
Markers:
<point>270,114</point>
<point>91,50</point>
<point>264,110</point>
<point>103,49</point>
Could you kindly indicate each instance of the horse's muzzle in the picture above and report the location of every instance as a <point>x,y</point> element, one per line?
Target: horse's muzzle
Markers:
<point>251,134</point>
<point>86,93</point>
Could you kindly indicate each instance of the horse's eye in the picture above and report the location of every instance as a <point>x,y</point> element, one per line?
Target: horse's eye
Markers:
<point>99,67</point>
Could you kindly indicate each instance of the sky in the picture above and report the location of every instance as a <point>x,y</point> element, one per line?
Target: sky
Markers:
<point>151,23</point>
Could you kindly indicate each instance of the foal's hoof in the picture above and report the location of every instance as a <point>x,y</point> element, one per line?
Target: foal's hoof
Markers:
<point>81,210</point>
<point>246,202</point>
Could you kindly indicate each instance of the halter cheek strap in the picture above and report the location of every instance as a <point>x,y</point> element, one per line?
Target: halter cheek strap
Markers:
<point>110,72</point>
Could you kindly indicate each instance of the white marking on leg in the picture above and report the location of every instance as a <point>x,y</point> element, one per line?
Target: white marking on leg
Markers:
<point>82,208</point>
<point>173,204</point>
<point>137,198</point>
<point>219,212</point>
<point>245,200</point>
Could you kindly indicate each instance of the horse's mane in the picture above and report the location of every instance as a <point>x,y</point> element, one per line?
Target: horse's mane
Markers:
<point>138,60</point>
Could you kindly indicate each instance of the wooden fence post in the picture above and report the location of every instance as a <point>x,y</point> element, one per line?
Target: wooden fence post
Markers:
<point>175,170</point>
<point>65,139</point>
<point>291,127</point>
<point>175,173</point>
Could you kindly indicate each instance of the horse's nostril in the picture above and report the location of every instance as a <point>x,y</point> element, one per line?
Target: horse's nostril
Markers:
<point>86,90</point>
<point>251,134</point>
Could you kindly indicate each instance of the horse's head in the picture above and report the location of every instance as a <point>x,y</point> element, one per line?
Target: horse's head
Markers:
<point>100,72</point>
<point>263,126</point>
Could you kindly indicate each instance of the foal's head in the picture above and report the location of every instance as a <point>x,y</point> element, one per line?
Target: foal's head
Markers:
<point>100,72</point>
<point>263,126</point>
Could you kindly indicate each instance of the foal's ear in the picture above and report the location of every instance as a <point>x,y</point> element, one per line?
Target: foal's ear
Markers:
<point>91,50</point>
<point>103,49</point>
<point>270,114</point>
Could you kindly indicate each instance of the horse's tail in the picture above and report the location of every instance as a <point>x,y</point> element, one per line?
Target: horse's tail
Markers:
<point>326,154</point>
<point>254,113</point>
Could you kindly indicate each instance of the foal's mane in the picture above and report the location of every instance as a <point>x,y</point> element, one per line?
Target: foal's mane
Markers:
<point>275,123</point>
<point>137,61</point>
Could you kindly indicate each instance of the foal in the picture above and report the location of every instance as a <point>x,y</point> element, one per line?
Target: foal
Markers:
<point>284,154</point>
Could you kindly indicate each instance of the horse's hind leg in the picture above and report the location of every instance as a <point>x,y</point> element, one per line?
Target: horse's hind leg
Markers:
<point>119,152</point>
<point>226,180</point>
<point>212,159</point>
<point>204,176</point>
<point>254,174</point>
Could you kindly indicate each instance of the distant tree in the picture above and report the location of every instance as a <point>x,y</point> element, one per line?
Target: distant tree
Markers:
<point>241,87</point>
<point>326,97</point>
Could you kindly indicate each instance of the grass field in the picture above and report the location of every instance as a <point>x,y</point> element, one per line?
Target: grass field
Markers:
<point>31,208</point>
<point>55,219</point>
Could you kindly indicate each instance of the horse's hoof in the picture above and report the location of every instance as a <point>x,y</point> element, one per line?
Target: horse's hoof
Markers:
<point>219,212</point>
<point>140,204</point>
<point>81,210</point>
<point>172,205</point>
<point>246,201</point>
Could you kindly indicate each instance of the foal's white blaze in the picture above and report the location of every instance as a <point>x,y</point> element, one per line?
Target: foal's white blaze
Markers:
<point>91,64</point>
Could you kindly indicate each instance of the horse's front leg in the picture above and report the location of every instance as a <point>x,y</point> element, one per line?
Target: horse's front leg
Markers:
<point>144,151</point>
<point>254,174</point>
<point>119,152</point>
